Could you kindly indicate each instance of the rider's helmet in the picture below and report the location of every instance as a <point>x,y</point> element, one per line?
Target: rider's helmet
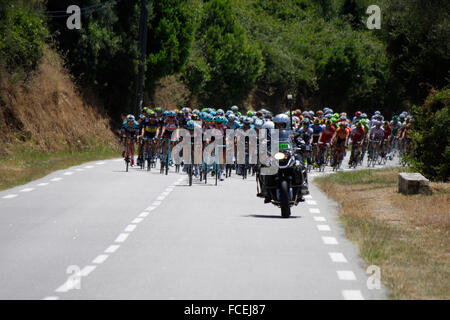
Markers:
<point>249,113</point>
<point>317,121</point>
<point>258,123</point>
<point>305,122</point>
<point>282,119</point>
<point>358,124</point>
<point>247,120</point>
<point>342,124</point>
<point>190,125</point>
<point>268,125</point>
<point>328,123</point>
<point>364,116</point>
<point>377,123</point>
<point>228,112</point>
<point>195,116</point>
<point>358,114</point>
<point>231,118</point>
<point>234,108</point>
<point>219,119</point>
<point>130,118</point>
<point>386,124</point>
<point>185,110</point>
<point>220,112</point>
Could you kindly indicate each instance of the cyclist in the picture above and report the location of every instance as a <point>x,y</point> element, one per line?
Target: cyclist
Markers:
<point>357,136</point>
<point>317,129</point>
<point>169,126</point>
<point>130,129</point>
<point>150,130</point>
<point>376,134</point>
<point>325,137</point>
<point>340,142</point>
<point>387,136</point>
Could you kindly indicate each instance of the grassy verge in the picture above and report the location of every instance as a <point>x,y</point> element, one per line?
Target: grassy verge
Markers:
<point>406,236</point>
<point>24,166</point>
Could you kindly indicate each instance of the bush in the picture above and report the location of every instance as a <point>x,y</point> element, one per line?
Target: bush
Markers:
<point>430,147</point>
<point>22,36</point>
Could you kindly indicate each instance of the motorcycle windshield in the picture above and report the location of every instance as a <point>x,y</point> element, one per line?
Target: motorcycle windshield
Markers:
<point>285,139</point>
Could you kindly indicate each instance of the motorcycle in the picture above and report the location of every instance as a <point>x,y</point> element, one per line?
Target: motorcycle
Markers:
<point>287,187</point>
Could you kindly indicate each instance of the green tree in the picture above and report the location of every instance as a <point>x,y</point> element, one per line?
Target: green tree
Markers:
<point>228,64</point>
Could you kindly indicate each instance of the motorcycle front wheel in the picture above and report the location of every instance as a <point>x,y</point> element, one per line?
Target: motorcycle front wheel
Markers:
<point>284,199</point>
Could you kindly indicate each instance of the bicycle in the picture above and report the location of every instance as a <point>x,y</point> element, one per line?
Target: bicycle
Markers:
<point>128,152</point>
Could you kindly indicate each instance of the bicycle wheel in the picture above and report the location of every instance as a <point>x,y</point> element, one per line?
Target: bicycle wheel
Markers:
<point>189,170</point>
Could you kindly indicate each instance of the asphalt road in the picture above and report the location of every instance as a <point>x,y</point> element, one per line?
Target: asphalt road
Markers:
<point>96,232</point>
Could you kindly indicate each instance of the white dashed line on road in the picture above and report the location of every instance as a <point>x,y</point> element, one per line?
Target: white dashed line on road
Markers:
<point>10,196</point>
<point>137,220</point>
<point>144,214</point>
<point>51,298</point>
<point>68,173</point>
<point>27,190</point>
<point>352,295</point>
<point>130,228</point>
<point>100,259</point>
<point>156,203</point>
<point>337,257</point>
<point>314,210</point>
<point>322,219</point>
<point>311,202</point>
<point>112,249</point>
<point>346,275</point>
<point>56,179</point>
<point>100,163</point>
<point>43,184</point>
<point>150,208</point>
<point>330,240</point>
<point>323,227</point>
<point>87,270</point>
<point>122,237</point>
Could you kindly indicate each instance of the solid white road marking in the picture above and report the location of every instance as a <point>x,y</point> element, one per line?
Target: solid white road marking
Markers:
<point>68,173</point>
<point>160,198</point>
<point>144,214</point>
<point>112,249</point>
<point>51,298</point>
<point>88,167</point>
<point>323,227</point>
<point>100,259</point>
<point>314,210</point>
<point>337,257</point>
<point>311,202</point>
<point>10,196</point>
<point>165,194</point>
<point>137,220</point>
<point>150,208</point>
<point>320,219</point>
<point>156,203</point>
<point>346,275</point>
<point>169,189</point>
<point>122,237</point>
<point>43,184</point>
<point>329,240</point>
<point>352,295</point>
<point>56,179</point>
<point>27,190</point>
<point>130,228</point>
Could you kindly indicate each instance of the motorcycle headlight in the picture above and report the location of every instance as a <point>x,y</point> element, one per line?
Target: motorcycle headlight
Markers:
<point>280,156</point>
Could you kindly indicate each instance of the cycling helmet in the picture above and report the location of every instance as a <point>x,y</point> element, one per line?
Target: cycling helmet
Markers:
<point>190,125</point>
<point>364,116</point>
<point>231,117</point>
<point>219,112</point>
<point>258,123</point>
<point>234,108</point>
<point>219,119</point>
<point>358,113</point>
<point>317,121</point>
<point>305,122</point>
<point>249,113</point>
<point>358,123</point>
<point>328,123</point>
<point>247,120</point>
<point>268,125</point>
<point>130,118</point>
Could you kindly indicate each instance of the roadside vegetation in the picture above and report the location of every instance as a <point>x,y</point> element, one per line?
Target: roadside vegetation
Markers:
<point>406,236</point>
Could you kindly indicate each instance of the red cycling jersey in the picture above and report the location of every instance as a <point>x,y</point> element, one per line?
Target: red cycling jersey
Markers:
<point>327,134</point>
<point>387,131</point>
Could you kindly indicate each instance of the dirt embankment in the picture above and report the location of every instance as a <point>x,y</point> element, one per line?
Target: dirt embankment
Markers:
<point>47,113</point>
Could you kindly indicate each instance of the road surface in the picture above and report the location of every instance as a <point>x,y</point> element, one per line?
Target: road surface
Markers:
<point>96,232</point>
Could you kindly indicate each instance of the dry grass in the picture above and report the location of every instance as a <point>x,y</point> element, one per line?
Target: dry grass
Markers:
<point>46,124</point>
<point>48,114</point>
<point>407,236</point>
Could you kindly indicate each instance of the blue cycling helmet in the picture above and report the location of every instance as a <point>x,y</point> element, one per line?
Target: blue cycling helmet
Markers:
<point>190,125</point>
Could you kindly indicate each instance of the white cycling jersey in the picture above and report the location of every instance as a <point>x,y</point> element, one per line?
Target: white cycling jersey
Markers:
<point>376,134</point>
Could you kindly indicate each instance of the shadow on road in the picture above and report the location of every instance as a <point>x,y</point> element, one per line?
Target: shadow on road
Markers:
<point>270,216</point>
